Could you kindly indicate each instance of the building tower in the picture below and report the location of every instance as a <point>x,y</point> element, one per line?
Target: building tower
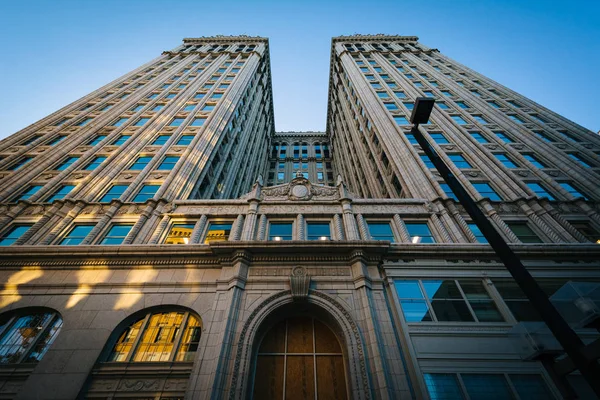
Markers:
<point>158,238</point>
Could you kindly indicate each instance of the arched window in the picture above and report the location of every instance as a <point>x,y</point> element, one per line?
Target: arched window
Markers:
<point>26,335</point>
<point>158,336</point>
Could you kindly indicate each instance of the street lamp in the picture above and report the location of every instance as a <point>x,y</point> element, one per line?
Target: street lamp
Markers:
<point>570,342</point>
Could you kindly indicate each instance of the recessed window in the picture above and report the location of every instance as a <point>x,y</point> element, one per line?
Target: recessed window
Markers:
<point>60,193</point>
<point>115,192</point>
<point>580,160</point>
<point>141,121</point>
<point>198,122</point>
<point>585,229</point>
<point>476,93</point>
<point>140,163</point>
<point>523,232</point>
<point>177,122</point>
<point>180,234</point>
<point>544,137</point>
<point>485,190</point>
<point>531,158</point>
<point>502,136</point>
<point>116,234</point>
<point>514,103</point>
<point>439,138</point>
<point>108,107</point>
<point>480,119</point>
<point>223,86</point>
<point>208,86</point>
<point>31,190</point>
<point>418,84</point>
<point>380,231</point>
<point>376,85</point>
<point>95,163</point>
<point>427,93</point>
<point>185,140</point>
<point>76,235</point>
<point>189,107</point>
<point>479,137</point>
<point>84,122</point>
<point>318,231</point>
<point>19,164</point>
<point>446,93</point>
<point>280,231</point>
<point>119,122</point>
<point>61,122</point>
<point>391,106</point>
<point>419,232</point>
<point>400,95</point>
<point>572,190</point>
<point>153,96</point>
<point>161,140</point>
<point>121,140</point>
<point>30,140</point>
<point>170,96</point>
<point>459,161</point>
<point>199,95</point>
<point>458,119</point>
<point>447,191</point>
<point>539,190</point>
<point>158,107</point>
<point>462,104</point>
<point>516,119</point>
<point>443,106</point>
<point>401,120</point>
<point>216,96</point>
<point>477,232</point>
<point>409,76</point>
<point>493,104</point>
<point>427,161</point>
<point>168,163</point>
<point>569,137</point>
<point>411,138</point>
<point>67,163</point>
<point>505,160</point>
<point>217,232</point>
<point>56,141</point>
<point>139,107</point>
<point>13,234</point>
<point>145,193</point>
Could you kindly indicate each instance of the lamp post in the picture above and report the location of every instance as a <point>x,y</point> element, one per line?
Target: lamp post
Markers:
<point>571,343</point>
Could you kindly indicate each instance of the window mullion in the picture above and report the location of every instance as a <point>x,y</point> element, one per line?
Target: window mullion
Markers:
<point>177,341</point>
<point>36,340</point>
<point>462,293</point>
<point>463,388</point>
<point>8,324</point>
<point>137,340</point>
<point>512,388</point>
<point>429,305</point>
<point>499,301</point>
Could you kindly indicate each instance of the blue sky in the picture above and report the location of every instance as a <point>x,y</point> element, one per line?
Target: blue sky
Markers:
<point>54,52</point>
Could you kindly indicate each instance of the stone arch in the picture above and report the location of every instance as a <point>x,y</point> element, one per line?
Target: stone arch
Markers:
<point>344,325</point>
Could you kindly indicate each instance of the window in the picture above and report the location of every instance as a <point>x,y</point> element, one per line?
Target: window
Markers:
<point>67,163</point>
<point>76,235</point>
<point>31,190</point>
<point>458,119</point>
<point>427,93</point>
<point>459,161</point>
<point>443,106</point>
<point>503,137</point>
<point>409,106</point>
<point>479,137</point>
<point>119,122</point>
<point>11,235</point>
<point>137,108</point>
<point>185,140</point>
<point>108,107</point>
<point>580,160</point>
<point>534,161</point>
<point>177,122</point>
<point>493,104</point>
<point>121,140</point>
<point>572,190</point>
<point>198,121</point>
<point>97,140</point>
<point>447,191</point>
<point>280,176</point>
<point>400,95</point>
<point>157,338</point>
<point>180,234</point>
<point>115,192</point>
<point>480,119</point>
<point>116,234</point>
<point>411,138</point>
<point>189,107</point>
<point>376,85</point>
<point>95,163</point>
<point>485,190</point>
<point>477,232</point>
<point>516,119</point>
<point>544,137</point>
<point>391,106</point>
<point>539,190</point>
<point>476,93</point>
<point>223,86</point>
<point>161,140</point>
<point>507,162</point>
<point>319,176</point>
<point>208,107</point>
<point>427,161</point>
<point>170,96</point>
<point>518,303</point>
<point>140,163</point>
<point>419,232</point>
<point>569,137</point>
<point>439,138</point>
<point>61,122</point>
<point>56,141</point>
<point>318,231</point>
<point>145,193</point>
<point>381,231</point>
<point>216,96</point>
<point>153,96</point>
<point>217,231</point>
<point>446,93</point>
<point>418,84</point>
<point>158,107</point>
<point>30,140</point>
<point>84,122</point>
<point>280,231</point>
<point>523,232</point>
<point>60,193</point>
<point>462,104</point>
<point>28,335</point>
<point>401,120</point>
<point>141,121</point>
<point>586,229</point>
<point>168,163</point>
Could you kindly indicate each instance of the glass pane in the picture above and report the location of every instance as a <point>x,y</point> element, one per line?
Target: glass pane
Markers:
<point>280,231</point>
<point>125,341</point>
<point>300,335</point>
<point>218,232</point>
<point>451,310</point>
<point>415,310</point>
<point>180,234</point>
<point>487,387</point>
<point>486,311</point>
<point>531,387</point>
<point>446,289</point>
<point>381,231</point>
<point>190,340</point>
<point>300,380</point>
<point>443,387</point>
<point>409,289</point>
<point>45,341</point>
<point>318,231</point>
<point>20,336</point>
<point>159,337</point>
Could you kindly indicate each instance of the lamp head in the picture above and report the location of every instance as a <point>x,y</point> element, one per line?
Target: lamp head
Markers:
<point>422,110</point>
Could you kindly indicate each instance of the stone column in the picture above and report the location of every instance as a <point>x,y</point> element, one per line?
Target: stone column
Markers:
<point>339,228</point>
<point>38,225</point>
<point>65,221</point>
<point>250,221</point>
<point>140,222</point>
<point>404,235</point>
<point>362,227</point>
<point>236,229</point>
<point>349,221</point>
<point>300,229</point>
<point>198,229</point>
<point>262,228</point>
<point>114,207</point>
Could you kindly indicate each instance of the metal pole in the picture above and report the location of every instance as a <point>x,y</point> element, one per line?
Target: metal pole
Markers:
<point>571,343</point>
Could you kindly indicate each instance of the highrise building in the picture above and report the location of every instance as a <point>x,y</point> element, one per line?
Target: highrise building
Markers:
<point>159,240</point>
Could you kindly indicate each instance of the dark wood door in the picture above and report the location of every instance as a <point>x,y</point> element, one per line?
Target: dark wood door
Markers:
<point>300,358</point>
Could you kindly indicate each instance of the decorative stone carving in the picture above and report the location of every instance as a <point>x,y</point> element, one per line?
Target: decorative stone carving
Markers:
<point>518,146</point>
<point>553,173</point>
<point>523,173</point>
<point>299,283</point>
<point>561,146</point>
<point>473,173</point>
<point>298,189</point>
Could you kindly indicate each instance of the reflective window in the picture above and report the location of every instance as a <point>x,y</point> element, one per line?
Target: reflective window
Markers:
<point>507,162</point>
<point>13,233</point>
<point>121,140</point>
<point>401,120</point>
<point>119,122</point>
<point>76,235</point>
<point>318,231</point>
<point>531,158</point>
<point>524,232</point>
<point>572,190</point>
<point>95,163</point>
<point>67,163</point>
<point>145,193</point>
<point>114,192</point>
<point>502,136</point>
<point>477,232</point>
<point>161,140</point>
<point>140,163</point>
<point>56,141</point>
<point>84,122</point>
<point>426,160</point>
<point>198,122</point>
<point>97,140</point>
<point>280,231</point>
<point>116,234</point>
<point>459,161</point>
<point>141,122</point>
<point>168,163</point>
<point>28,335</point>
<point>177,121</point>
<point>539,190</point>
<point>485,190</point>
<point>381,231</point>
<point>185,140</point>
<point>580,160</point>
<point>446,188</point>
<point>458,119</point>
<point>159,337</point>
<point>439,138</point>
<point>419,232</point>
<point>180,234</point>
<point>218,231</point>
<point>60,193</point>
<point>31,190</point>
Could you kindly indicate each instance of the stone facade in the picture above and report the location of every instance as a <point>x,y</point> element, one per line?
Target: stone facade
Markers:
<point>196,233</point>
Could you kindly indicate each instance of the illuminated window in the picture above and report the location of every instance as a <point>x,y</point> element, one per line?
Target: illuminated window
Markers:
<point>180,234</point>
<point>318,231</point>
<point>13,234</point>
<point>217,232</point>
<point>280,231</point>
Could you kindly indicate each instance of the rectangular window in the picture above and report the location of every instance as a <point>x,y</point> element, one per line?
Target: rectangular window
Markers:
<point>459,161</point>
<point>153,96</point>
<point>580,160</point>
<point>121,140</point>
<point>534,161</point>
<point>115,192</point>
<point>477,232</point>
<point>507,162</point>
<point>411,138</point>
<point>189,107</point>
<point>198,121</point>
<point>137,108</point>
<point>141,122</point>
<point>458,119</point>
<point>145,193</point>
<point>391,106</point>
<point>381,231</point>
<point>119,122</point>
<point>446,93</point>
<point>170,96</point>
<point>514,103</point>
<point>116,234</point>
<point>56,141</point>
<point>97,140</point>
<point>319,176</point>
<point>544,137</point>
<point>168,163</point>
<point>13,234</point>
<point>95,163</point>
<point>60,193</point>
<point>401,120</point>
<point>539,190</point>
<point>140,163</point>
<point>400,95</point>
<point>177,122</point>
<point>439,138</point>
<point>486,386</point>
<point>479,137</point>
<point>67,163</point>
<point>572,190</point>
<point>30,140</point>
<point>409,106</point>
<point>447,191</point>
<point>180,234</point>
<point>516,119</point>
<point>427,161</point>
<point>318,231</point>
<point>493,104</point>
<point>208,107</point>
<point>61,122</point>
<point>518,303</point>
<point>485,190</point>
<point>216,96</point>
<point>480,119</point>
<point>503,137</point>
<point>462,104</point>
<point>161,140</point>
<point>108,107</point>
<point>76,235</point>
<point>217,232</point>
<point>280,231</point>
<point>569,137</point>
<point>31,190</point>
<point>419,232</point>
<point>158,107</point>
<point>280,176</point>
<point>443,106</point>
<point>185,140</point>
<point>476,93</point>
<point>524,232</point>
<point>84,122</point>
<point>427,93</point>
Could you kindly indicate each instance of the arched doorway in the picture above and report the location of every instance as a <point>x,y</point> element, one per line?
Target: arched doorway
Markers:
<point>299,358</point>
